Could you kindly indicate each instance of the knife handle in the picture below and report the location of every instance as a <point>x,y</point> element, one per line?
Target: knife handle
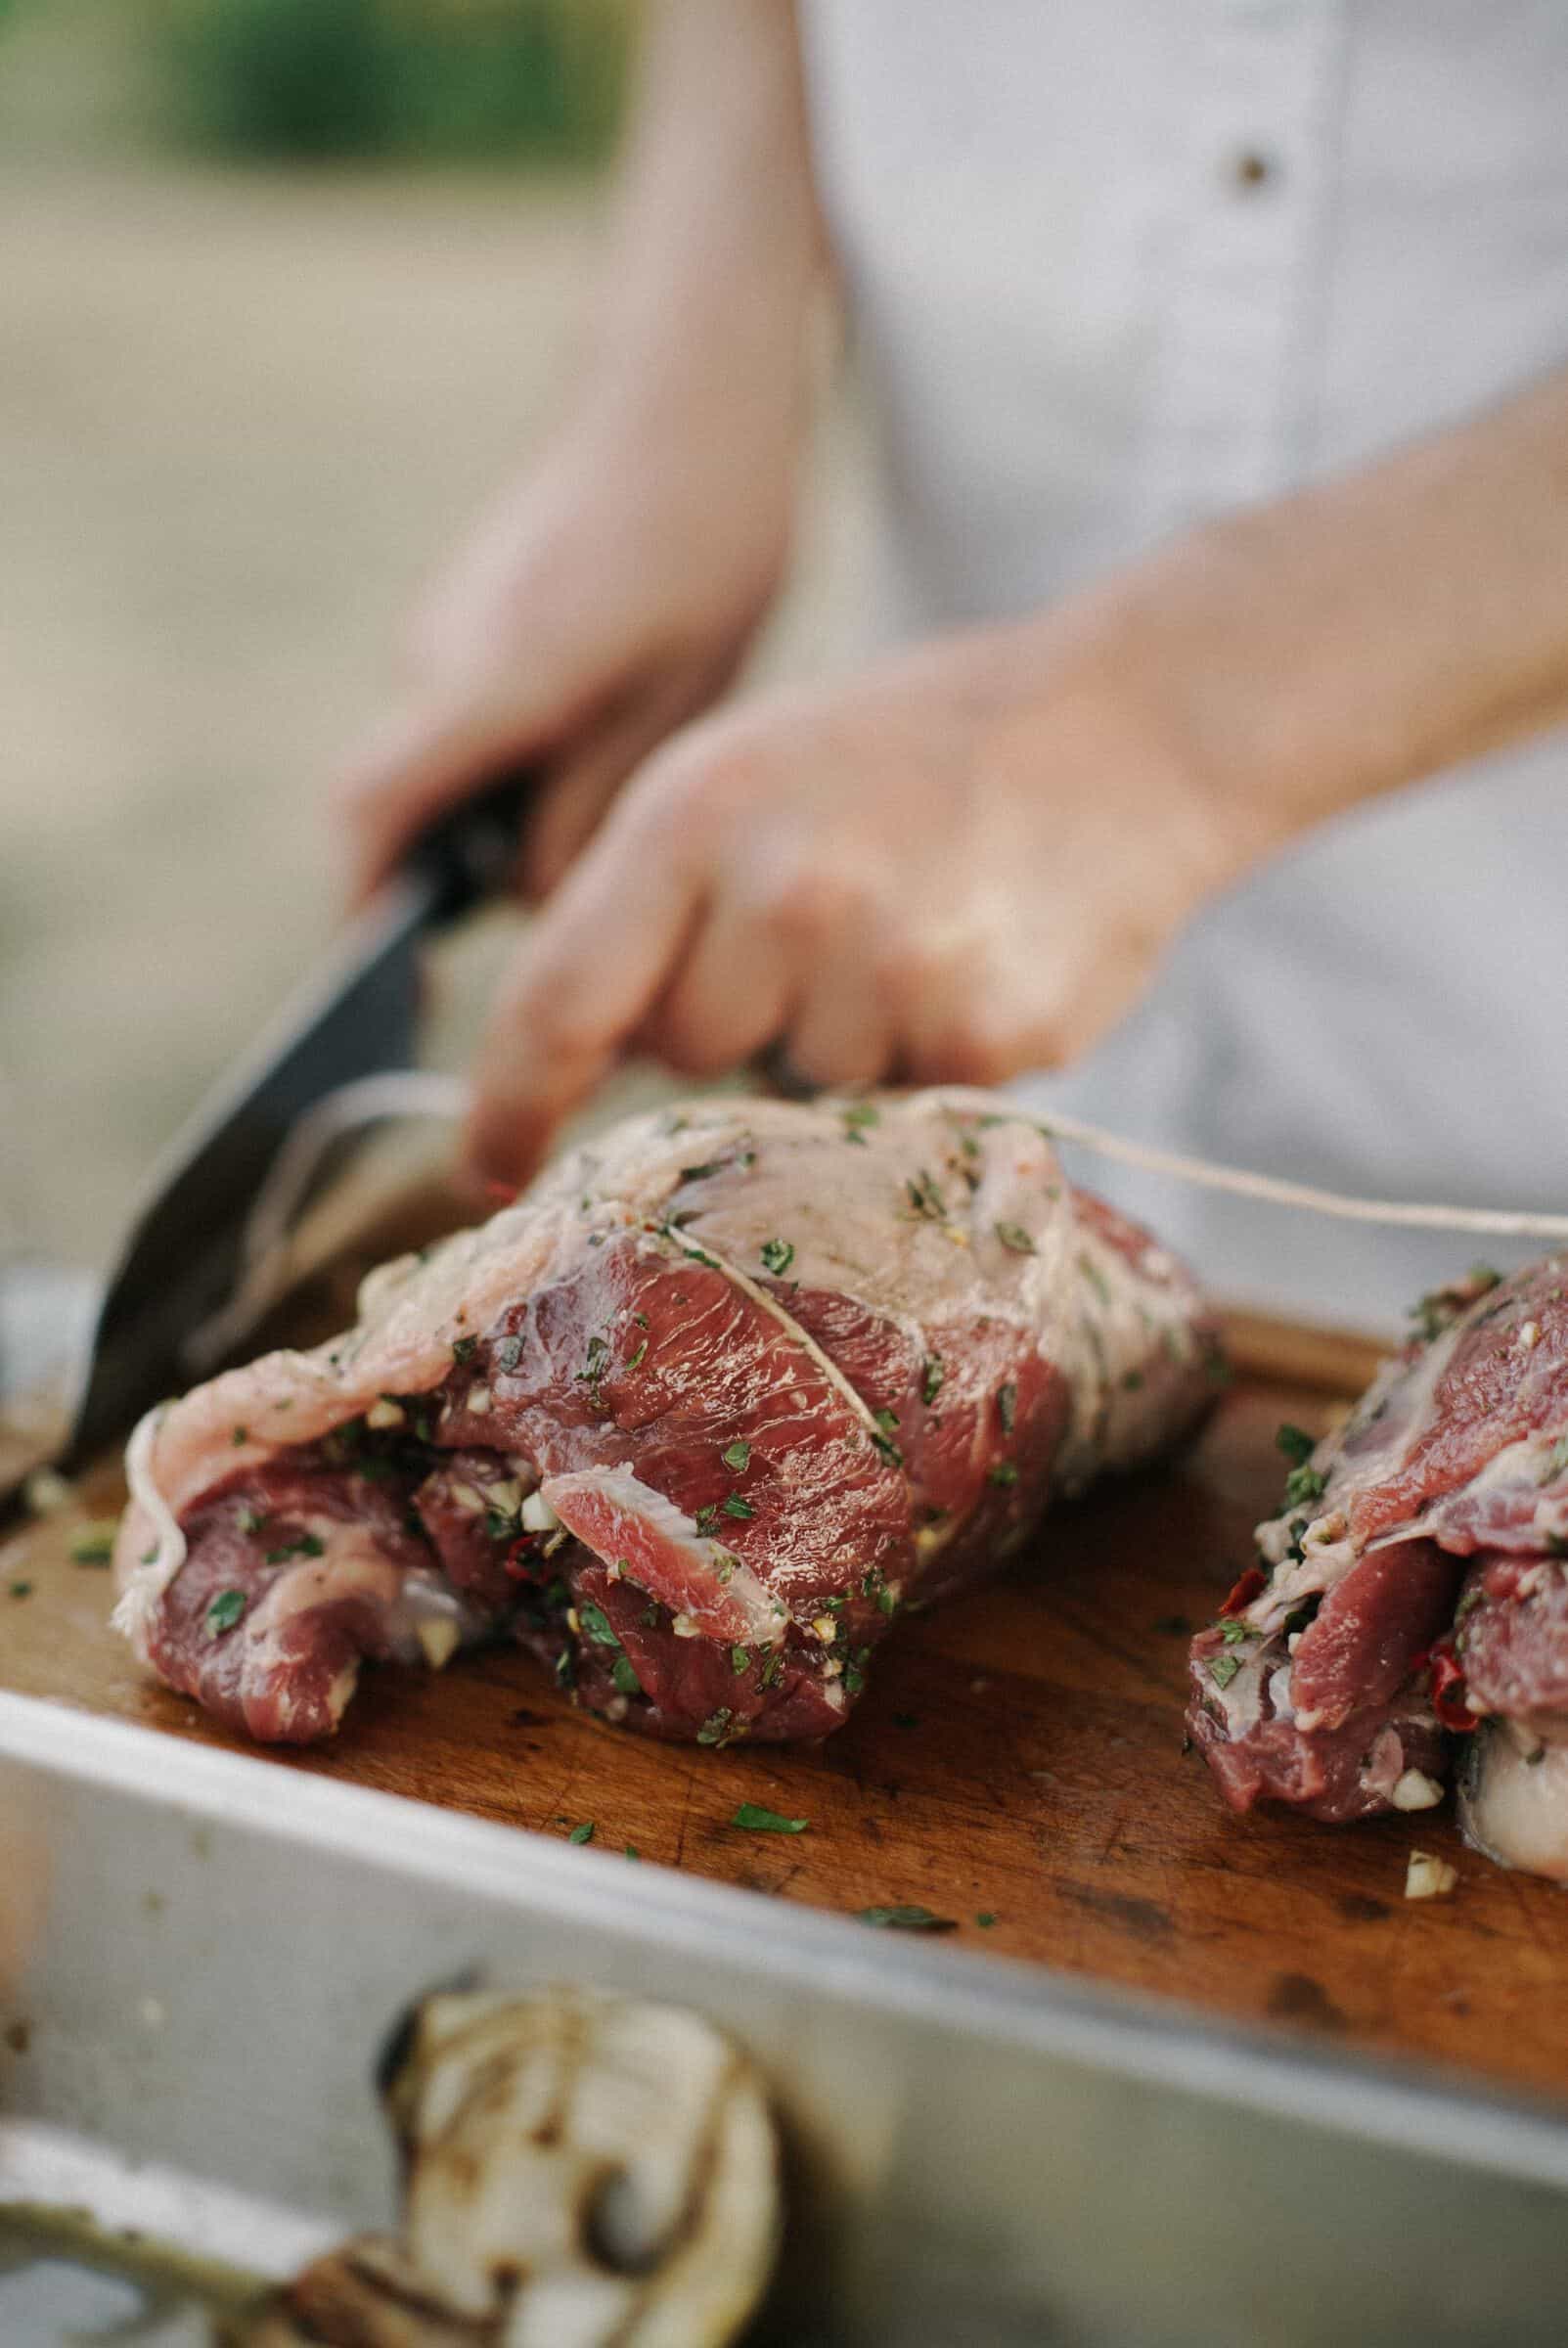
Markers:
<point>470,854</point>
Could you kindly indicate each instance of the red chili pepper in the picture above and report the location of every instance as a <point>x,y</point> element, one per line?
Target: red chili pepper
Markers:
<point>1448,1689</point>
<point>523,1560</point>
<point>1251,1585</point>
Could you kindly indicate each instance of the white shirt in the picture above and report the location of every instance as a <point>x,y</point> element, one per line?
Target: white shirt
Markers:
<point>1119,265</point>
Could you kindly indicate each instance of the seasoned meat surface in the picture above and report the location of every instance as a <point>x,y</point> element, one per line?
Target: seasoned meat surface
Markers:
<point>1410,1606</point>
<point>695,1422</point>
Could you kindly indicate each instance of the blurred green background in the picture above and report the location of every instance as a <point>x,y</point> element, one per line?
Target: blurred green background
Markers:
<point>290,287</point>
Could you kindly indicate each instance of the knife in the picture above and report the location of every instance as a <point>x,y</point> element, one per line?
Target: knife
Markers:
<point>355,1017</point>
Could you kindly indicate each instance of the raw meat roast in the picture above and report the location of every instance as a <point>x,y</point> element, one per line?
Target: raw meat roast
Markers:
<point>695,1422</point>
<point>1412,1602</point>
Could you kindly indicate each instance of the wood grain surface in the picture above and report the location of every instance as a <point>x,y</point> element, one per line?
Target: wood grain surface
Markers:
<point>1018,1756</point>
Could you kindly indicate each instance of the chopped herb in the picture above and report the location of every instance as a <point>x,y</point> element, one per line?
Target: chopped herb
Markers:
<point>637,1358</point>
<point>856,1114</point>
<point>740,1659</point>
<point>148,1554</point>
<point>632,1851</point>
<point>735,1506</point>
<point>1555,1461</point>
<point>1003,1473</point>
<point>624,1674</point>
<point>94,1547</point>
<point>464,1349</point>
<point>241,1434</point>
<point>925,1199</point>
<point>1217,1370</point>
<point>888,1448</point>
<point>777,1256</point>
<point>887,1601</point>
<point>1095,1277</point>
<point>640,1320</point>
<point>582,1834</point>
<point>1296,1444</point>
<point>707,1518</point>
<point>565,1669</point>
<point>1232,1632</point>
<point>250,1520</point>
<point>985,1919</point>
<point>772,1668</point>
<point>1224,1668</point>
<point>509,1353</point>
<point>1008,1407</point>
<point>1483,1277</point>
<point>498,1526</point>
<point>21,1588</point>
<point>1013,1236</point>
<point>716,1728</point>
<point>905,1919</point>
<point>757,1821</point>
<point>724,1566</point>
<point>712,1165</point>
<point>738,1455</point>
<point>594,1370</point>
<point>308,1545</point>
<point>1304,1485</point>
<point>595,1622</point>
<point>853,1679</point>
<point>887,1420</point>
<point>931,1378</point>
<point>225,1612</point>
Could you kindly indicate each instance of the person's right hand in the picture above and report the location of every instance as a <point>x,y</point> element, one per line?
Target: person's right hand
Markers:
<point>605,600</point>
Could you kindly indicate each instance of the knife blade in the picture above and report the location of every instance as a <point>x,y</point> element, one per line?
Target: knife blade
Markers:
<point>356,1016</point>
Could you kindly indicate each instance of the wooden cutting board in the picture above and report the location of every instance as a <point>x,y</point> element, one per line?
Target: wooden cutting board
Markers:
<point>1016,1766</point>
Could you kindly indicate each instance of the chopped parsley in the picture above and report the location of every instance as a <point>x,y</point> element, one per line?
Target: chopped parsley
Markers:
<point>1296,1444</point>
<point>1008,1407</point>
<point>309,1545</point>
<point>1555,1461</point>
<point>740,1659</point>
<point>772,1668</point>
<point>1015,1238</point>
<point>857,1114</point>
<point>1232,1632</point>
<point>19,1589</point>
<point>583,1833</point>
<point>925,1199</point>
<point>1004,1474</point>
<point>632,1851</point>
<point>777,1256</point>
<point>624,1674</point>
<point>759,1821</point>
<point>1303,1485</point>
<point>707,1518</point>
<point>250,1520</point>
<point>225,1612</point>
<point>509,1353</point>
<point>887,1601</point>
<point>93,1547</point>
<point>887,1420</point>
<point>886,1445</point>
<point>931,1377</point>
<point>241,1434</point>
<point>464,1349</point>
<point>1095,1277</point>
<point>595,1622</point>
<point>738,1455</point>
<point>1224,1668</point>
<point>716,1728</point>
<point>905,1919</point>
<point>735,1506</point>
<point>985,1919</point>
<point>710,1165</point>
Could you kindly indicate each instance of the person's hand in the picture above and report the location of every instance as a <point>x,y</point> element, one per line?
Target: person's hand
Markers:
<point>963,865</point>
<point>606,600</point>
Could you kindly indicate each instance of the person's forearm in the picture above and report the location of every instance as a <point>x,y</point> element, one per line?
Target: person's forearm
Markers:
<point>718,249</point>
<point>1365,633</point>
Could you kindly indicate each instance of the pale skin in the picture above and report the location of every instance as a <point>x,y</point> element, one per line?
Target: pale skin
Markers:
<point>967,860</point>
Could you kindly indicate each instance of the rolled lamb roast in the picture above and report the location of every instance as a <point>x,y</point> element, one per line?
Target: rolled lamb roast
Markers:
<point>1409,1616</point>
<point>695,1422</point>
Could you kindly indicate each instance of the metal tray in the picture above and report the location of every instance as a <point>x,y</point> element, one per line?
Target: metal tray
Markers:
<point>199,1959</point>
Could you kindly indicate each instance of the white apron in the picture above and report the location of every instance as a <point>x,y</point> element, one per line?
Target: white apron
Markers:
<point>1118,264</point>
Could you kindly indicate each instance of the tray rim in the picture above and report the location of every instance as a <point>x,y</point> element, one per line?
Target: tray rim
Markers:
<point>1164,2044</point>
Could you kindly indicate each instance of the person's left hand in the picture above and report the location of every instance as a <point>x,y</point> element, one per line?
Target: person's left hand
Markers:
<point>963,865</point>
